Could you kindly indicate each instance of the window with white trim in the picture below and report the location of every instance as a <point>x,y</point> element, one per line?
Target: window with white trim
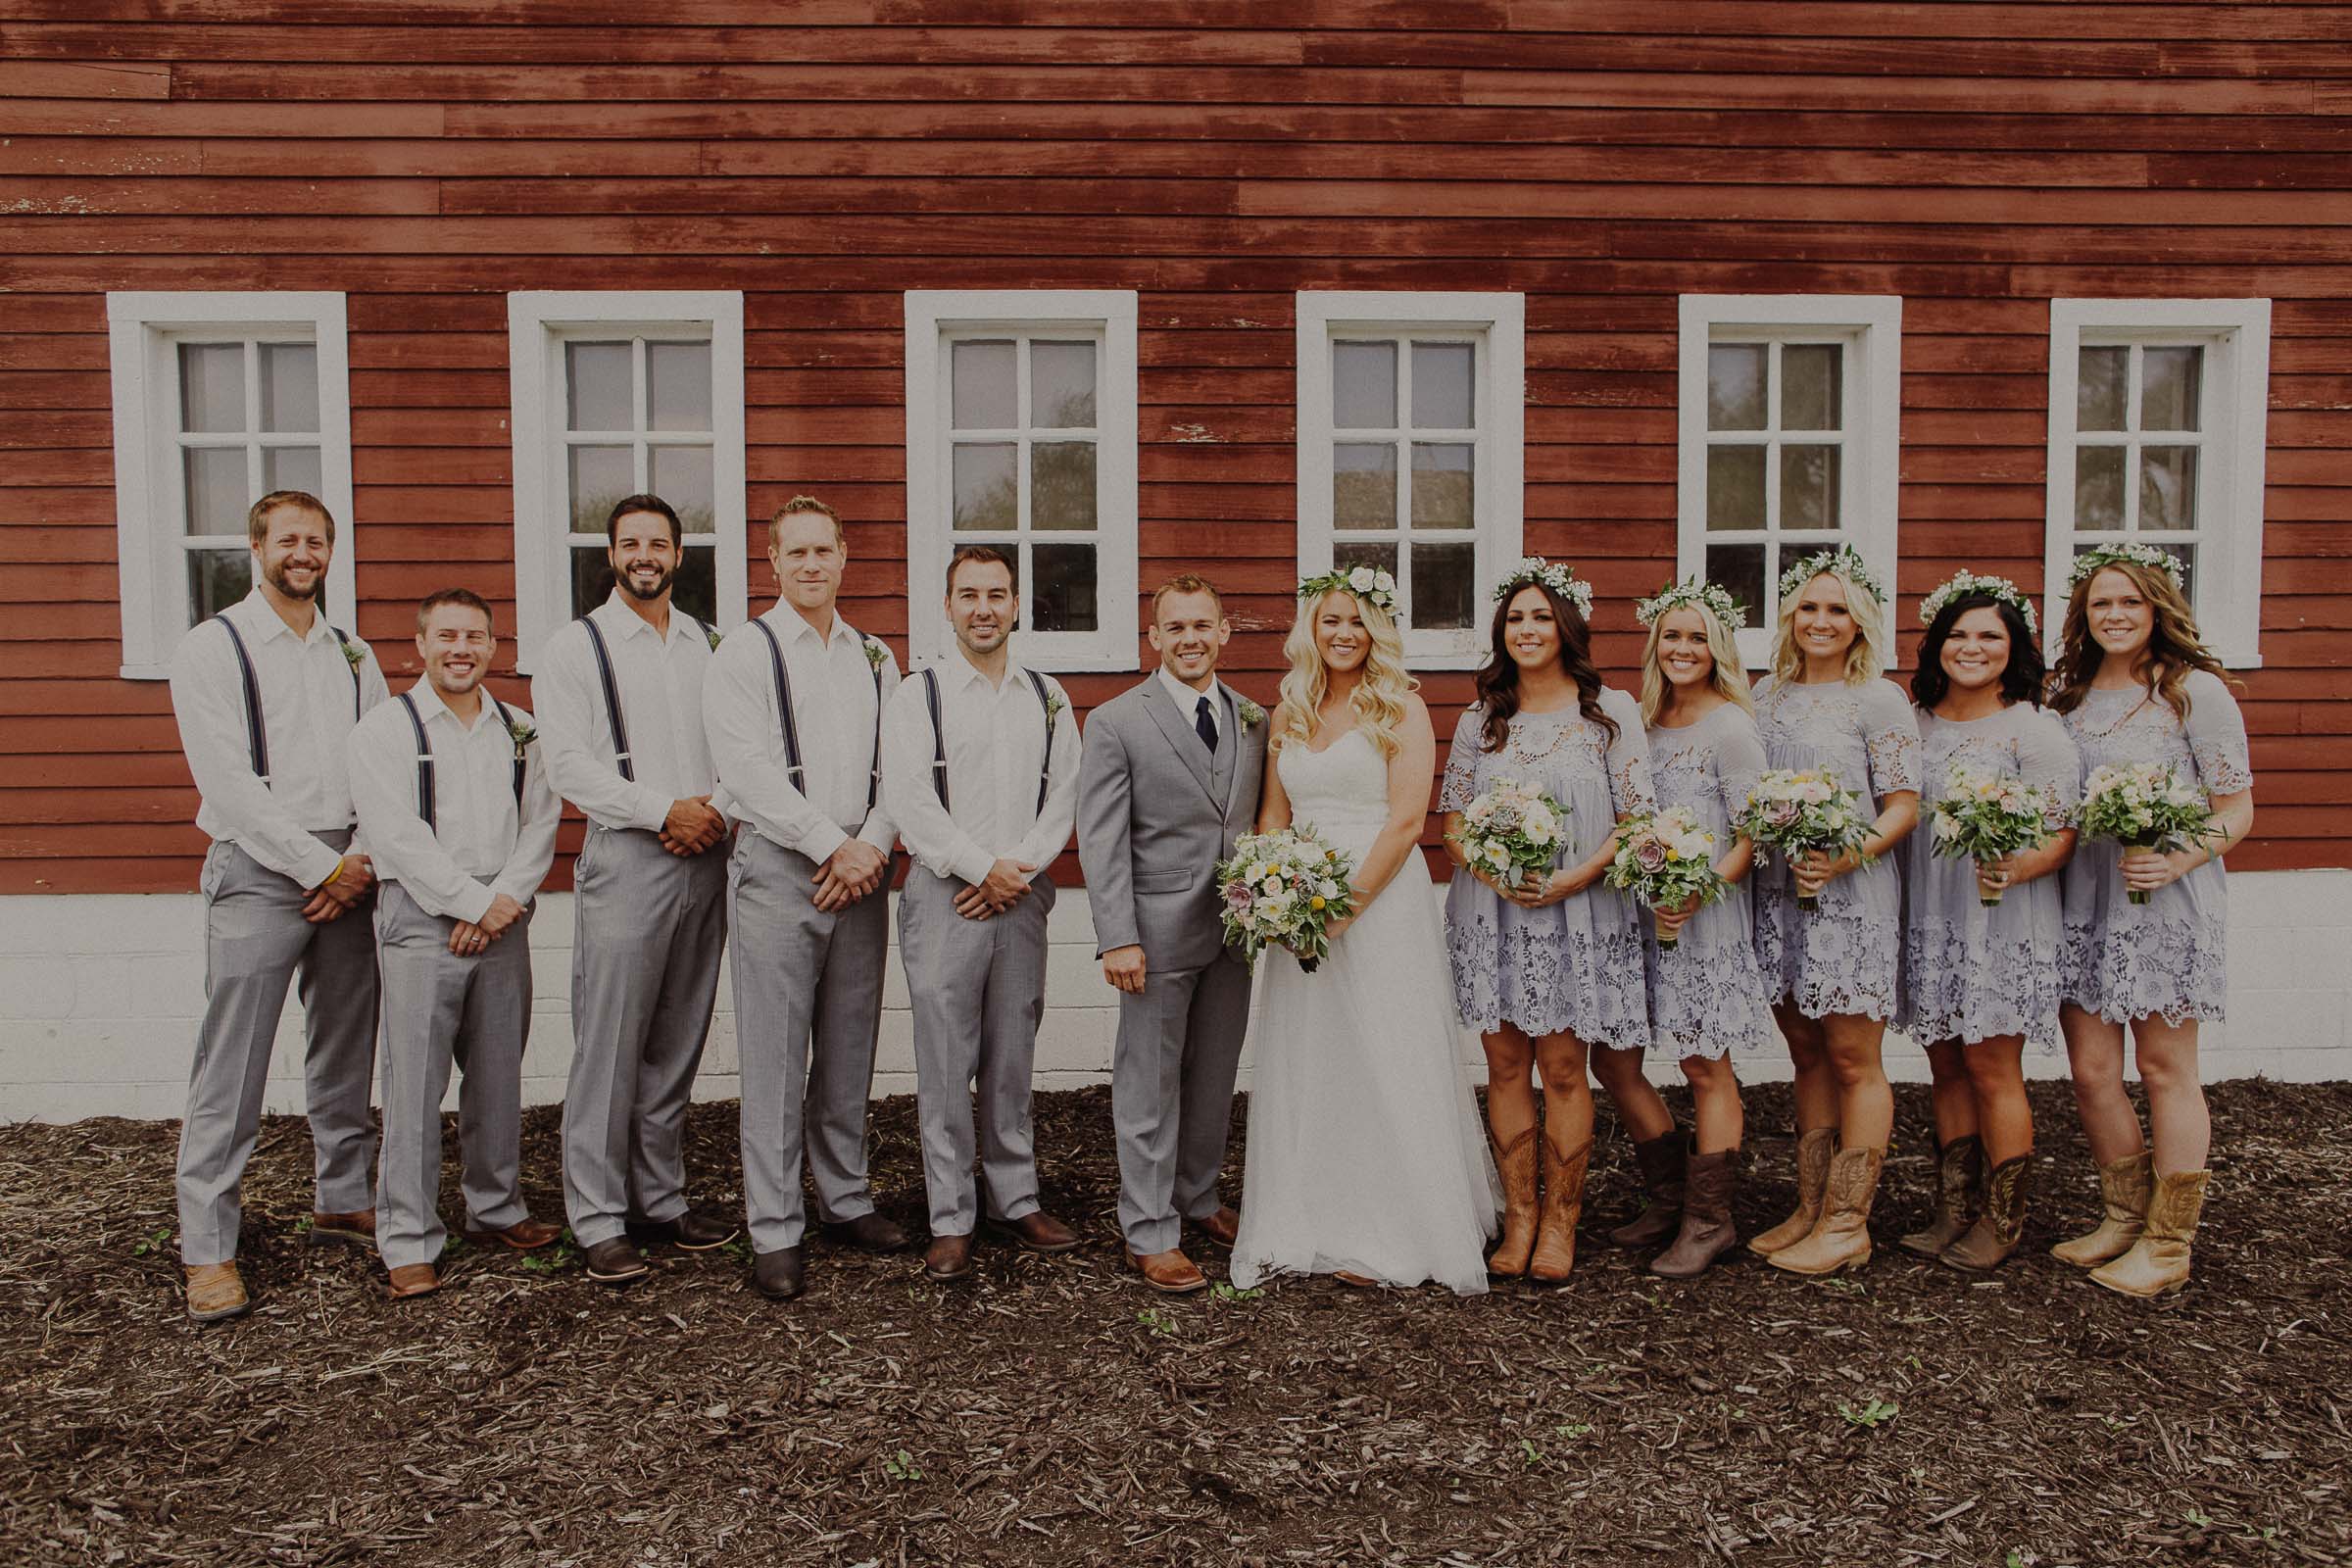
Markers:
<point>1410,451</point>
<point>617,395</point>
<point>219,398</point>
<point>1787,440</point>
<point>1021,435</point>
<point>2159,412</point>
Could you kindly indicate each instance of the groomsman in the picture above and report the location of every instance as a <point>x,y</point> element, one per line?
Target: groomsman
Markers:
<point>454,804</point>
<point>980,773</point>
<point>265,692</point>
<point>793,710</point>
<point>620,705</point>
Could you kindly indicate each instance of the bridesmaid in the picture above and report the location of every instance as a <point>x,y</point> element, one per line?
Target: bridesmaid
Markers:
<point>1545,970</point>
<point>1833,970</point>
<point>2136,684</point>
<point>1979,982</point>
<point>1707,996</point>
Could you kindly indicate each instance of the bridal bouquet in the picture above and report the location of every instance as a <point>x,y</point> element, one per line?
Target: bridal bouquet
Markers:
<point>1511,830</point>
<point>1796,809</point>
<point>2145,806</point>
<point>1987,816</point>
<point>1665,860</point>
<point>1285,889</point>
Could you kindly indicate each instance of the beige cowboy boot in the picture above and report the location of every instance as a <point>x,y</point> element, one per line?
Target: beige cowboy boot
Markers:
<point>1843,1238</point>
<point>1813,1151</point>
<point>1516,1162</point>
<point>2159,1260</point>
<point>1563,1204</point>
<point>2124,1188</point>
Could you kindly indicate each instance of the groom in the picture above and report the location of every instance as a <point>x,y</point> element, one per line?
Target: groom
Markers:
<point>1168,780</point>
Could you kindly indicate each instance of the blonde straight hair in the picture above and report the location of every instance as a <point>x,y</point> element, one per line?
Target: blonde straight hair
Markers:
<point>1729,677</point>
<point>1863,661</point>
<point>1379,696</point>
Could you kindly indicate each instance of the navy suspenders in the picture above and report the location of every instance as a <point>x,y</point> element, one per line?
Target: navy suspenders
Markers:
<point>257,733</point>
<point>939,737</point>
<point>604,672</point>
<point>792,730</point>
<point>426,795</point>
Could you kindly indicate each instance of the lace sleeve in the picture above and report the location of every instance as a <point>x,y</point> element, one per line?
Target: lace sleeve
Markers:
<point>1630,791</point>
<point>2216,736</point>
<point>1890,738</point>
<point>2047,759</point>
<point>1460,785</point>
<point>1738,761</point>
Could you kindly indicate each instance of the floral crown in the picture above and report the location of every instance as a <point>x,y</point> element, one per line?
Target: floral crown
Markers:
<point>1367,583</point>
<point>1695,594</point>
<point>2148,556</point>
<point>1844,561</point>
<point>1556,575</point>
<point>1965,583</point>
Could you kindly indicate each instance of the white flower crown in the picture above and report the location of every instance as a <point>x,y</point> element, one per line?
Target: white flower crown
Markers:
<point>2148,556</point>
<point>1367,583</point>
<point>1558,576</point>
<point>1964,583</point>
<point>1844,561</point>
<point>1695,594</point>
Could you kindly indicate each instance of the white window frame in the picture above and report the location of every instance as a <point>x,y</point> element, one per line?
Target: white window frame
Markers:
<point>143,332</point>
<point>1498,320</point>
<point>538,324</point>
<point>2235,335</point>
<point>1871,325</point>
<point>933,317</point>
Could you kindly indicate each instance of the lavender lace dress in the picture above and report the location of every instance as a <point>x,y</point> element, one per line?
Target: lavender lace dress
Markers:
<point>1842,958</point>
<point>1707,994</point>
<point>1969,973</point>
<point>1576,966</point>
<point>2167,956</point>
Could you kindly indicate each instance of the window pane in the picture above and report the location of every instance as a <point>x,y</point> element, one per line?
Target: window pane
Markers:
<point>1378,554</point>
<point>2169,388</point>
<point>1363,485</point>
<point>218,579</point>
<point>600,476</point>
<point>1443,476</point>
<point>1812,386</point>
<point>1443,395</point>
<point>1363,386</point>
<point>1739,569</point>
<point>2099,383</point>
<point>983,393</point>
<point>694,589</point>
<point>1061,386</point>
<point>1062,587</point>
<point>2167,489</point>
<point>290,468</point>
<point>1809,486</point>
<point>1735,487</point>
<point>591,578</point>
<point>2186,554</point>
<point>681,476</point>
<point>289,386</point>
<point>218,490</point>
<point>2098,487</point>
<point>678,392</point>
<point>211,386</point>
<point>986,493</point>
<point>1061,484</point>
<point>1445,585</point>
<point>1735,386</point>
<point>596,387</point>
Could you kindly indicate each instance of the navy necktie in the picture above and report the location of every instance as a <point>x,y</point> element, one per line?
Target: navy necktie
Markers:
<point>1206,725</point>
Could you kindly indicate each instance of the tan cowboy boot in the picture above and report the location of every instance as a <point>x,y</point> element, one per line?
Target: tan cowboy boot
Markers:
<point>1994,1237</point>
<point>2124,1188</point>
<point>1563,1204</point>
<point>1959,1190</point>
<point>1706,1232</point>
<point>2159,1260</point>
<point>1516,1161</point>
<point>217,1291</point>
<point>1661,1160</point>
<point>1813,1151</point>
<point>1843,1238</point>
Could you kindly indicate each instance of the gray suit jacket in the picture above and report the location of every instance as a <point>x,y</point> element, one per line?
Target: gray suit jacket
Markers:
<point>1152,827</point>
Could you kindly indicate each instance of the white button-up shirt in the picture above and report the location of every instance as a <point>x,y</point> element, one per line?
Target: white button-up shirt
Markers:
<point>307,707</point>
<point>480,844</point>
<point>660,684</point>
<point>835,711</point>
<point>1187,702</point>
<point>996,738</point>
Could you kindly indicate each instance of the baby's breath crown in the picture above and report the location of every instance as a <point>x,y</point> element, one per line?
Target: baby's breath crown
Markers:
<point>1844,561</point>
<point>1694,594</point>
<point>1367,583</point>
<point>2148,556</point>
<point>1965,583</point>
<point>1556,575</point>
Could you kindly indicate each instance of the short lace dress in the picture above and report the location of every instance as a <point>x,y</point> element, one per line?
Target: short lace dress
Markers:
<point>1707,994</point>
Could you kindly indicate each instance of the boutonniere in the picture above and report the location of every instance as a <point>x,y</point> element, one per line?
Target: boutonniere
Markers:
<point>1054,705</point>
<point>876,653</point>
<point>1252,714</point>
<point>355,653</point>
<point>521,732</point>
<point>711,635</point>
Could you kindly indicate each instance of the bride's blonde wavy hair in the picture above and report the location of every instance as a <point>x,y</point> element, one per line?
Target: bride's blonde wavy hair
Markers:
<point>1379,695</point>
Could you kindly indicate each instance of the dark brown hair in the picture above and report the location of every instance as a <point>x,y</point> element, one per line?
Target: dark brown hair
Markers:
<point>2022,678</point>
<point>982,554</point>
<point>257,517</point>
<point>457,596</point>
<point>629,506</point>
<point>1499,677</point>
<point>2173,646</point>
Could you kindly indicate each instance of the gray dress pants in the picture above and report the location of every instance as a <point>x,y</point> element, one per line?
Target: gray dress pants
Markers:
<point>1171,1095</point>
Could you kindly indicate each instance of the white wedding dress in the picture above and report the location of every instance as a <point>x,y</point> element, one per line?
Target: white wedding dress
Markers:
<point>1365,1151</point>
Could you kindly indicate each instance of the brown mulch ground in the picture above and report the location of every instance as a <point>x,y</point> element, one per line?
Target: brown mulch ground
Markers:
<point>1055,1414</point>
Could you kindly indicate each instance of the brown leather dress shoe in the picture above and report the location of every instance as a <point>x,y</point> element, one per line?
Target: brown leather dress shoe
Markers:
<point>1037,1231</point>
<point>1171,1273</point>
<point>1355,1281</point>
<point>695,1231</point>
<point>949,1260</point>
<point>412,1279</point>
<point>524,1235</point>
<point>779,1275</point>
<point>616,1261</point>
<point>1220,1227</point>
<point>217,1291</point>
<point>358,1227</point>
<point>869,1232</point>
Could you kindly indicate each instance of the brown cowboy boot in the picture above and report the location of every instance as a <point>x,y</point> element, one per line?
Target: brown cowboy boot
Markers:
<point>2124,1188</point>
<point>1661,1160</point>
<point>1706,1232</point>
<point>1516,1161</point>
<point>1841,1239</point>
<point>1813,1151</point>
<point>1563,1204</point>
<point>2159,1260</point>
<point>1994,1237</point>
<point>1959,1197</point>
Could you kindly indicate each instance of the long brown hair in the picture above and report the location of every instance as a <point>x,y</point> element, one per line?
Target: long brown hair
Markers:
<point>1499,677</point>
<point>2173,646</point>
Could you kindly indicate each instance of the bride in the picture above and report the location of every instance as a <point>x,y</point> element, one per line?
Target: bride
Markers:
<point>1364,1158</point>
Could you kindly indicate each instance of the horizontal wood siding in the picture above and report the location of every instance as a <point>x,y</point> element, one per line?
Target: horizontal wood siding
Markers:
<point>1601,158</point>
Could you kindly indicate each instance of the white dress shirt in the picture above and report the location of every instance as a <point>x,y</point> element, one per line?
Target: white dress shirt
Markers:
<point>1187,702</point>
<point>479,845</point>
<point>834,711</point>
<point>661,683</point>
<point>306,709</point>
<point>996,745</point>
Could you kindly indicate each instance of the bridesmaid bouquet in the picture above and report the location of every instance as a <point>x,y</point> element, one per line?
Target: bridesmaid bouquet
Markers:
<point>1285,889</point>
<point>1665,860</point>
<point>1796,810</point>
<point>1987,816</point>
<point>2145,806</point>
<point>1512,829</point>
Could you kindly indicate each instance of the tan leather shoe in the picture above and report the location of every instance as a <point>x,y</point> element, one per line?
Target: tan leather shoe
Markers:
<point>2124,1186</point>
<point>2159,1260</point>
<point>1171,1273</point>
<point>1842,1236</point>
<point>217,1291</point>
<point>1554,1257</point>
<point>524,1235</point>
<point>1521,1209</point>
<point>357,1227</point>
<point>1355,1281</point>
<point>1220,1226</point>
<point>411,1279</point>
<point>1037,1231</point>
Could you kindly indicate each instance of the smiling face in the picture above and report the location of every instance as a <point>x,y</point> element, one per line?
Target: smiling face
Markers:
<point>1341,638</point>
<point>2120,617</point>
<point>1975,652</point>
<point>805,549</point>
<point>982,607</point>
<point>1531,630</point>
<point>457,645</point>
<point>644,554</point>
<point>1189,630</point>
<point>1685,658</point>
<point>1824,626</point>
<point>293,551</point>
